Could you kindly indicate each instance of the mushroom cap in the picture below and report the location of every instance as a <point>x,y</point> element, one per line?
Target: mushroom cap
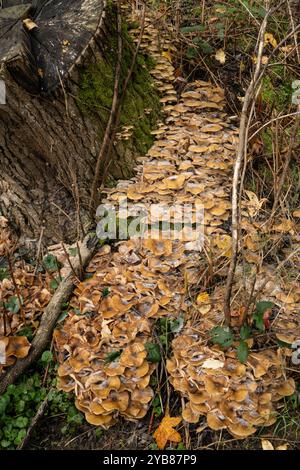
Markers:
<point>65,383</point>
<point>114,368</point>
<point>142,395</point>
<point>134,355</point>
<point>18,346</point>
<point>100,420</point>
<point>117,401</point>
<point>189,415</point>
<point>80,360</point>
<point>216,420</point>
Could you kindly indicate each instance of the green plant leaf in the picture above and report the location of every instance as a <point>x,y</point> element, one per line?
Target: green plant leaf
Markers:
<point>26,331</point>
<point>54,284</point>
<point>153,352</point>
<point>263,305</point>
<point>113,356</point>
<point>193,29</point>
<point>73,251</point>
<point>47,357</point>
<point>177,325</point>
<point>105,292</point>
<point>62,316</point>
<point>50,263</point>
<point>21,422</point>
<point>242,352</point>
<point>222,336</point>
<point>245,332</point>
<point>258,315</point>
<point>4,274</point>
<point>13,304</point>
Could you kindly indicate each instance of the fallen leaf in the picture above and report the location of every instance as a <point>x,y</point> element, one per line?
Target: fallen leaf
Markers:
<point>203,298</point>
<point>282,447</point>
<point>220,56</point>
<point>266,445</point>
<point>166,432</point>
<point>269,39</point>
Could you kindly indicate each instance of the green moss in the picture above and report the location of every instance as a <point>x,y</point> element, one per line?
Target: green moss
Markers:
<point>141,106</point>
<point>277,88</point>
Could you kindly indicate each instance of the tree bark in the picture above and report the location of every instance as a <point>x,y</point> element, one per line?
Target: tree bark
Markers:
<point>48,145</point>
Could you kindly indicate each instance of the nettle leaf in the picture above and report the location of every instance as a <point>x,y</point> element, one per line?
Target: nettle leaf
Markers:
<point>222,336</point>
<point>113,356</point>
<point>50,263</point>
<point>47,357</point>
<point>245,332</point>
<point>13,304</point>
<point>243,352</point>
<point>153,351</point>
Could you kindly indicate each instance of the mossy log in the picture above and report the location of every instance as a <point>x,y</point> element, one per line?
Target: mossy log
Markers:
<point>57,69</point>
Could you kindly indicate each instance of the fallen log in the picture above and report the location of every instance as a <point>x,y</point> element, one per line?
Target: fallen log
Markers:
<point>50,316</point>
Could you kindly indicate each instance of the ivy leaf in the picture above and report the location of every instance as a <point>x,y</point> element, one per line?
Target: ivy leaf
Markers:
<point>113,356</point>
<point>13,304</point>
<point>222,336</point>
<point>153,352</point>
<point>245,332</point>
<point>26,331</point>
<point>242,352</point>
<point>54,284</point>
<point>50,263</point>
<point>21,422</point>
<point>47,357</point>
<point>73,251</point>
<point>177,325</point>
<point>62,316</point>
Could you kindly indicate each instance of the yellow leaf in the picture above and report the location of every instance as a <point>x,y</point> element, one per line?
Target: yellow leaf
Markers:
<point>167,55</point>
<point>166,432</point>
<point>220,56</point>
<point>282,447</point>
<point>269,39</point>
<point>266,445</point>
<point>29,24</point>
<point>203,298</point>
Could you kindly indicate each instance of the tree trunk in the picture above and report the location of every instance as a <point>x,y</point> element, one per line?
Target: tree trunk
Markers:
<point>48,143</point>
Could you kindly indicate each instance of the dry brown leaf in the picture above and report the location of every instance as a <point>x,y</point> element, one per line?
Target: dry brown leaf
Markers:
<point>166,432</point>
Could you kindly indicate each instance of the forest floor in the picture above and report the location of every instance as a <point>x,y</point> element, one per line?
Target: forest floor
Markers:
<point>169,294</point>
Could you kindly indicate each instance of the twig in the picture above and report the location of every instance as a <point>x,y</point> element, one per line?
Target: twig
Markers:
<point>69,262</point>
<point>40,412</point>
<point>11,270</point>
<point>241,155</point>
<point>80,260</point>
<point>38,253</point>
<point>124,88</point>
<point>113,111</point>
<point>292,146</point>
